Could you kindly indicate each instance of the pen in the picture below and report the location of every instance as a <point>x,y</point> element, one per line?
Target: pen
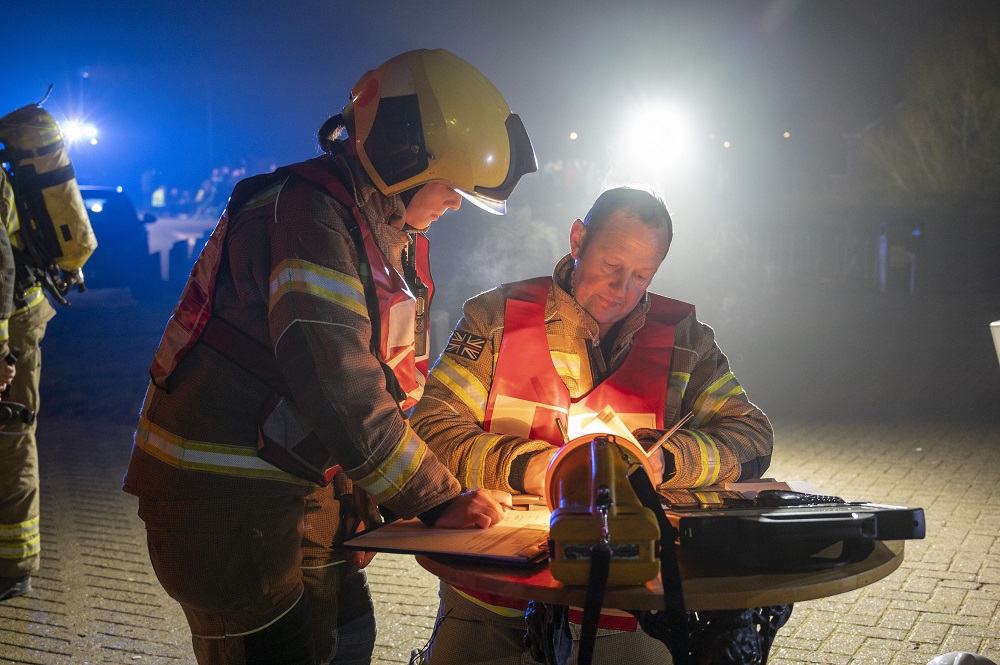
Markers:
<point>670,432</point>
<point>562,430</point>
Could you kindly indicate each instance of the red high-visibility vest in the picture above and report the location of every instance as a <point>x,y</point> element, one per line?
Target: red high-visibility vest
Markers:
<point>527,395</point>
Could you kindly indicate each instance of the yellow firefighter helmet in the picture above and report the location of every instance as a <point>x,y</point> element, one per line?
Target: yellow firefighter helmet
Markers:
<point>428,115</point>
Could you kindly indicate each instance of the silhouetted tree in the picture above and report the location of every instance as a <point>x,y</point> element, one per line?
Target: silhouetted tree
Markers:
<point>943,141</point>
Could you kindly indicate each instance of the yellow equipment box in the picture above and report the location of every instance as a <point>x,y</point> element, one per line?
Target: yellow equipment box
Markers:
<point>592,502</point>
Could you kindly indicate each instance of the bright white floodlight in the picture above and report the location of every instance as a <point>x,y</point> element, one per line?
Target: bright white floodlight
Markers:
<point>76,131</point>
<point>657,139</point>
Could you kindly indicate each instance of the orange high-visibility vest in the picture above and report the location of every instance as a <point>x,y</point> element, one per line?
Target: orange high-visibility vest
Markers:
<point>527,395</point>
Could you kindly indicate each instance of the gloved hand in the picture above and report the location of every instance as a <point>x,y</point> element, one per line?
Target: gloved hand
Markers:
<point>358,511</point>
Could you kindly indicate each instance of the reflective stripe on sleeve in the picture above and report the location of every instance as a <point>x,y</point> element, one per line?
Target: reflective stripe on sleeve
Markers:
<point>709,453</point>
<point>714,397</point>
<point>464,385</point>
<point>474,473</point>
<point>298,276</point>
<point>389,478</point>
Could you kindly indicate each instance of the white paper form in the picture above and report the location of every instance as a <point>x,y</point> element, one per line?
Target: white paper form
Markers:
<point>522,535</point>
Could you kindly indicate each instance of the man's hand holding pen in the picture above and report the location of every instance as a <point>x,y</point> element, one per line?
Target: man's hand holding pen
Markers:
<point>652,442</point>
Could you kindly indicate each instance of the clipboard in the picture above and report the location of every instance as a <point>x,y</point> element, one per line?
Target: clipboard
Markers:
<point>520,540</point>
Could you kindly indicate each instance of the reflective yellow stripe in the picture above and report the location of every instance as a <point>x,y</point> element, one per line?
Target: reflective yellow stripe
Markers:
<point>496,609</point>
<point>295,275</point>
<point>11,221</point>
<point>709,453</point>
<point>389,478</point>
<point>475,469</point>
<point>714,397</point>
<point>20,541</point>
<point>679,381</point>
<point>463,384</point>
<point>32,297</point>
<point>205,456</point>
<point>568,368</point>
<point>4,331</point>
<point>15,531</point>
<point>23,550</point>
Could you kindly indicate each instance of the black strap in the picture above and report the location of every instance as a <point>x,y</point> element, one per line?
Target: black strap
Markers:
<point>35,180</point>
<point>17,156</point>
<point>245,352</point>
<point>368,283</point>
<point>676,638</point>
<point>371,302</point>
<point>600,565</point>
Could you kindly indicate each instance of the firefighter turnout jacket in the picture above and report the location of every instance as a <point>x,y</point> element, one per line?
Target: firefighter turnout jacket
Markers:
<point>284,272</point>
<point>727,439</point>
<point>527,354</point>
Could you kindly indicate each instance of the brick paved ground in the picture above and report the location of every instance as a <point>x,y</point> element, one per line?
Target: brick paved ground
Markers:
<point>97,601</point>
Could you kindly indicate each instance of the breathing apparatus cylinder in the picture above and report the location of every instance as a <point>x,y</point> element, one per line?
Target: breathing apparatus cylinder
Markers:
<point>55,229</point>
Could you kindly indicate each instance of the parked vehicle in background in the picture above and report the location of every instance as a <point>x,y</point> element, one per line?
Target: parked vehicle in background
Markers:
<point>122,258</point>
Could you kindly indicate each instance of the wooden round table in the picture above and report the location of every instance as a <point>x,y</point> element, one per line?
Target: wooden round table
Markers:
<point>706,586</point>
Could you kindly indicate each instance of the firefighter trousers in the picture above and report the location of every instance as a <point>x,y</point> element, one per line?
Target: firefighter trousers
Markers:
<point>259,580</point>
<point>467,633</point>
<point>19,536</point>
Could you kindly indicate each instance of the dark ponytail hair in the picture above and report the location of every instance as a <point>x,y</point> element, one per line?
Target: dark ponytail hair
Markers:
<point>331,133</point>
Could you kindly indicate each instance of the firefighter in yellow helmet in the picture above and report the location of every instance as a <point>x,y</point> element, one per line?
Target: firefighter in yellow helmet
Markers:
<point>276,417</point>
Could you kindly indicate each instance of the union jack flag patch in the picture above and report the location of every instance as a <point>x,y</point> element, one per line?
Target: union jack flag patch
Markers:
<point>466,345</point>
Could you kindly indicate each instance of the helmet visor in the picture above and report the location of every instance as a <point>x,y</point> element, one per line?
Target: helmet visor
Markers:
<point>484,202</point>
<point>522,160</point>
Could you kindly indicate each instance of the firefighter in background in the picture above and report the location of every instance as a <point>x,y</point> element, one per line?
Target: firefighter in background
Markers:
<point>528,354</point>
<point>50,238</point>
<point>275,417</point>
<point>18,458</point>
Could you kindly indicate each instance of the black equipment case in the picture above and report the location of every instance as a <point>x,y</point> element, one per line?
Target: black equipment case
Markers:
<point>785,538</point>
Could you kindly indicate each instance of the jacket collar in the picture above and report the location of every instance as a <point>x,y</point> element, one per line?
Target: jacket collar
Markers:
<point>378,209</point>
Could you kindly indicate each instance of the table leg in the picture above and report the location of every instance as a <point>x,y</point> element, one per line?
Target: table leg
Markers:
<point>725,637</point>
<point>547,637</point>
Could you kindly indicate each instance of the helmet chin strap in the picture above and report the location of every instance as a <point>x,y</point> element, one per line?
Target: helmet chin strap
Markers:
<point>408,195</point>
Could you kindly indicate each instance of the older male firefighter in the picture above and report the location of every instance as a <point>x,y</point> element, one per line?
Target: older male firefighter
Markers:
<point>532,356</point>
<point>290,360</point>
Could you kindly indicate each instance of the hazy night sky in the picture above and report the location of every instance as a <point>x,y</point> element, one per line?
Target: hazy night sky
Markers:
<point>183,86</point>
